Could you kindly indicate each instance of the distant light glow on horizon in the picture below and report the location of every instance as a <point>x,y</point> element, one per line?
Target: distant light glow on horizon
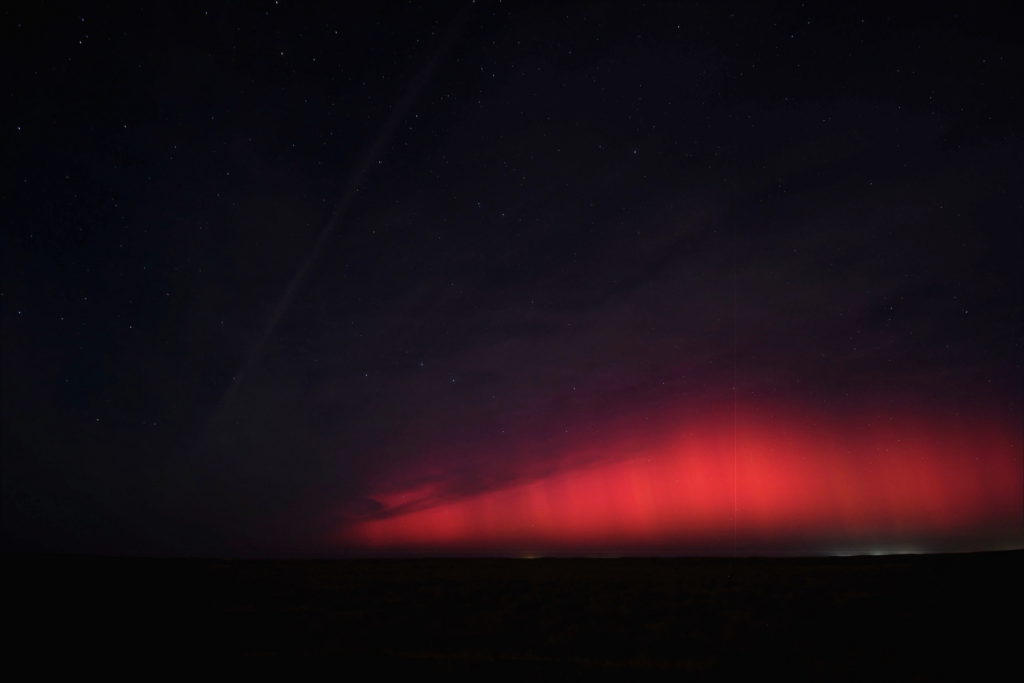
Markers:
<point>802,482</point>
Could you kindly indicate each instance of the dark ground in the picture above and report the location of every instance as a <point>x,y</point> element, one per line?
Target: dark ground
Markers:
<point>896,617</point>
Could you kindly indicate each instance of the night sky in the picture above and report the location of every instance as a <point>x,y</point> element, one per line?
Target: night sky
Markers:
<point>291,279</point>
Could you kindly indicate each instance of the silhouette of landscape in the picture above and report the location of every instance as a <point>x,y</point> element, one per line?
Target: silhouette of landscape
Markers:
<point>906,617</point>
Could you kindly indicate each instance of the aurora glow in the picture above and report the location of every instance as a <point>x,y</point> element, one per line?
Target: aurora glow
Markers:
<point>800,483</point>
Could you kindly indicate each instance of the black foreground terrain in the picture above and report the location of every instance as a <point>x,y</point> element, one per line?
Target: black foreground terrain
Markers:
<point>897,617</point>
